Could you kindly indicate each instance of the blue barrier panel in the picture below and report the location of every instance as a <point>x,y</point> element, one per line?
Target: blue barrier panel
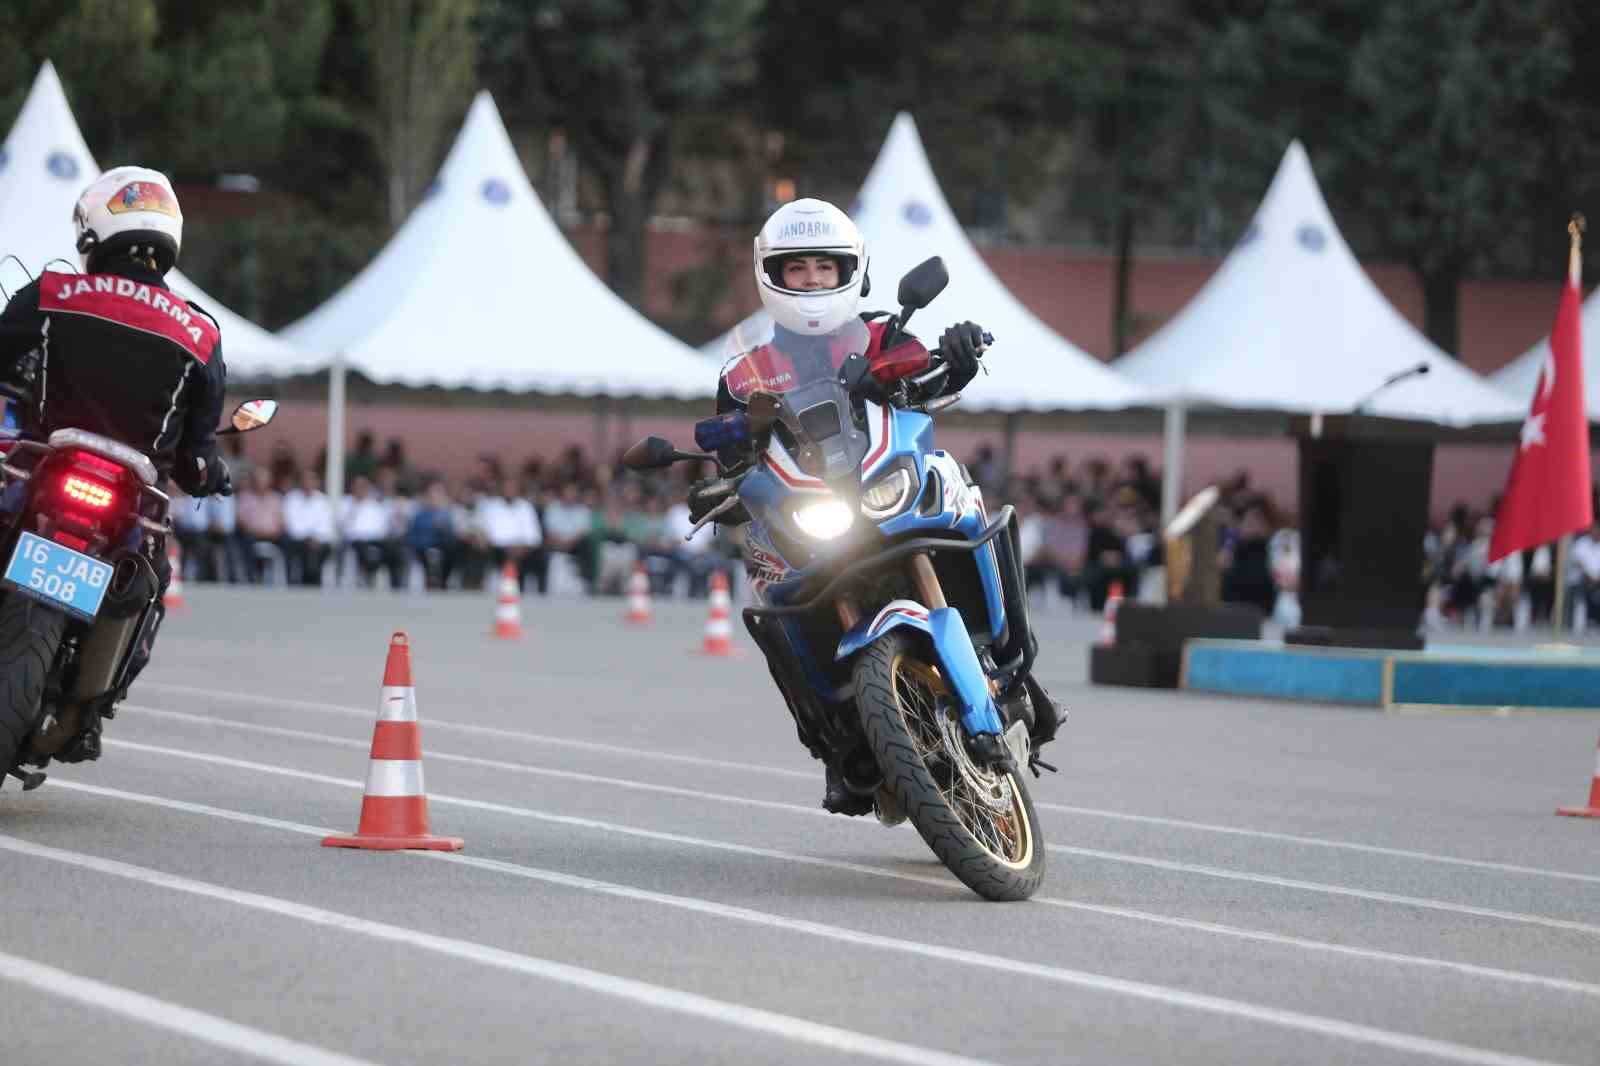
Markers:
<point>1253,669</point>
<point>1497,684</point>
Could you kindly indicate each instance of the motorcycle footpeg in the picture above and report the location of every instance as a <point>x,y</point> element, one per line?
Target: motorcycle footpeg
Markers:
<point>31,779</point>
<point>1035,764</point>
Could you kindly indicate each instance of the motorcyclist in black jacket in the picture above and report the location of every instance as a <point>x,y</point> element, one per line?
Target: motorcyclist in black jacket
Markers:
<point>113,351</point>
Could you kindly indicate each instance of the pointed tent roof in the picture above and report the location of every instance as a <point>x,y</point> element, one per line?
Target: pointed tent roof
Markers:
<point>1290,322</point>
<point>44,165</point>
<point>479,288</point>
<point>1518,377</point>
<point>905,218</point>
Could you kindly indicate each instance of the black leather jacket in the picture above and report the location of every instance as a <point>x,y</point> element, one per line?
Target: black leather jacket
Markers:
<point>119,354</point>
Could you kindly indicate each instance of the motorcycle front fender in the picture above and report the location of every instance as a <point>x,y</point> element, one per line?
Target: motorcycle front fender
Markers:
<point>952,648</point>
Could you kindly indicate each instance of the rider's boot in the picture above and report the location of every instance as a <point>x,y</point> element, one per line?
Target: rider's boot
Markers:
<point>838,798</point>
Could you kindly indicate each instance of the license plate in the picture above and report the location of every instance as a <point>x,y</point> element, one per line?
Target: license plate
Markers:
<point>60,576</point>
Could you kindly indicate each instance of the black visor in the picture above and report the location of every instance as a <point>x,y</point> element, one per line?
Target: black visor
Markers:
<point>774,266</point>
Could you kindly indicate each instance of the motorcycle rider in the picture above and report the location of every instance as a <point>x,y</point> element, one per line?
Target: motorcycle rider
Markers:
<point>113,351</point>
<point>811,272</point>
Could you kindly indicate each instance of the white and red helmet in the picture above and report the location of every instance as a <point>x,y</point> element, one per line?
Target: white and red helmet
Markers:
<point>130,208</point>
<point>811,227</point>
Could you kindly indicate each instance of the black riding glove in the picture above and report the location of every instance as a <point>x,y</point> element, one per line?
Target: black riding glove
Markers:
<point>702,504</point>
<point>203,475</point>
<point>960,347</point>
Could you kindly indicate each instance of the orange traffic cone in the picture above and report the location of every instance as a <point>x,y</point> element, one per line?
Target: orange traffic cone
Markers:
<point>1593,810</point>
<point>394,811</point>
<point>719,630</point>
<point>173,600</point>
<point>508,609</point>
<point>1108,626</point>
<point>638,596</point>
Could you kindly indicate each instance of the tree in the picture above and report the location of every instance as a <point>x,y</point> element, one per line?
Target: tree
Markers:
<point>422,59</point>
<point>620,76</point>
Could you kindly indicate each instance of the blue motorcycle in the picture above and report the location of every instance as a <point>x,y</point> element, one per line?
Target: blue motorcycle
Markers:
<point>876,568</point>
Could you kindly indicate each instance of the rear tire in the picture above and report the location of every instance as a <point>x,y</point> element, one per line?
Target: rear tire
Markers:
<point>905,712</point>
<point>30,634</point>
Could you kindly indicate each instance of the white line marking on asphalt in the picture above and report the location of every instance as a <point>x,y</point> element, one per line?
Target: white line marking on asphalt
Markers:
<point>792,808</point>
<point>1318,842</point>
<point>781,771</point>
<point>1161,994</point>
<point>1556,984</point>
<point>766,1022</point>
<point>484,731</point>
<point>160,1014</point>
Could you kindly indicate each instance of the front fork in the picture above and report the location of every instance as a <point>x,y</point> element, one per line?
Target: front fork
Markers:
<point>952,645</point>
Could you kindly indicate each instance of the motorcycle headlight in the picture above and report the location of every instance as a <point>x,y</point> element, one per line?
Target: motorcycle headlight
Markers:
<point>888,495</point>
<point>825,519</point>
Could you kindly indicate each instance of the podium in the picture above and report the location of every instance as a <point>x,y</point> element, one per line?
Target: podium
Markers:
<point>1364,489</point>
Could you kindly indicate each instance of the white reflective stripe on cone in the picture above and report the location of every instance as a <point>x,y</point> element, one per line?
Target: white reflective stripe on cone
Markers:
<point>394,777</point>
<point>1597,764</point>
<point>399,704</point>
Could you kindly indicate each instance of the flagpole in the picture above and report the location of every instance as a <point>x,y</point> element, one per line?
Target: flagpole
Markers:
<point>1558,609</point>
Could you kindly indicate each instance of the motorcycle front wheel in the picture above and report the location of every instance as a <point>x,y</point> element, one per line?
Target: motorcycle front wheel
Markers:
<point>980,823</point>
<point>30,634</point>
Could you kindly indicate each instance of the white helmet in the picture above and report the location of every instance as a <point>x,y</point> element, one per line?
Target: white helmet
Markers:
<point>811,227</point>
<point>133,208</point>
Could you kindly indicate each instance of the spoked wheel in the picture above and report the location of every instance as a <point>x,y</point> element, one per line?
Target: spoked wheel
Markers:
<point>980,823</point>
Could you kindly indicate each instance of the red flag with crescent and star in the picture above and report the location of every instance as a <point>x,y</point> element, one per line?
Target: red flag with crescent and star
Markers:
<point>1548,493</point>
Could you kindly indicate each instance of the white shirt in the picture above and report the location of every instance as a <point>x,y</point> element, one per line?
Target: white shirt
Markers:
<point>1032,537</point>
<point>1586,557</point>
<point>509,523</point>
<point>221,514</point>
<point>567,521</point>
<point>308,516</point>
<point>366,519</point>
<point>676,525</point>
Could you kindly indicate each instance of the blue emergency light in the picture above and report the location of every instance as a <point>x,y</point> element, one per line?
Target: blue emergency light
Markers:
<point>722,431</point>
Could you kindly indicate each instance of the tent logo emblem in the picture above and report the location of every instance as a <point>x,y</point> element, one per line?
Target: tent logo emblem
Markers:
<point>1251,232</point>
<point>433,188</point>
<point>917,213</point>
<point>62,166</point>
<point>496,192</point>
<point>1311,237</point>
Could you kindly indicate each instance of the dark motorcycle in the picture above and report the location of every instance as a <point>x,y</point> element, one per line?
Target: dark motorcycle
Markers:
<point>82,525</point>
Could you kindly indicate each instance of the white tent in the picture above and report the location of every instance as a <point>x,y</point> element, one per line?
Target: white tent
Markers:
<point>1518,377</point>
<point>1290,322</point>
<point>905,219</point>
<point>480,289</point>
<point>44,165</point>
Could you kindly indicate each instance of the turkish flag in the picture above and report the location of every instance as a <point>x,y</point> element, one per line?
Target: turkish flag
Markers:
<point>1547,495</point>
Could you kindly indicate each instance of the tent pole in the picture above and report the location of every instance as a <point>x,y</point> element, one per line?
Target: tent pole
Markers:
<point>602,412</point>
<point>1172,460</point>
<point>1008,446</point>
<point>334,478</point>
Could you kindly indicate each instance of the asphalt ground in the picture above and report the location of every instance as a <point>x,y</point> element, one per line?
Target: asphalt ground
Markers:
<point>648,878</point>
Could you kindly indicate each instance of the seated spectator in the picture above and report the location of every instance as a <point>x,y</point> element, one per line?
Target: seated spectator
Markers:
<point>472,548</point>
<point>1585,570</point>
<point>261,529</point>
<point>308,528</point>
<point>191,525</point>
<point>1063,549</point>
<point>1245,563</point>
<point>511,529</point>
<point>614,552</point>
<point>431,535</point>
<point>1107,560</point>
<point>694,555</point>
<point>365,522</point>
<point>568,525</point>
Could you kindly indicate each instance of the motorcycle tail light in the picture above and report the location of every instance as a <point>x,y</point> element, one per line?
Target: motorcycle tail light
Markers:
<point>87,493</point>
<point>70,540</point>
<point>901,361</point>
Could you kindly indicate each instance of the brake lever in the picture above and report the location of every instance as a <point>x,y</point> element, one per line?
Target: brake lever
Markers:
<point>711,516</point>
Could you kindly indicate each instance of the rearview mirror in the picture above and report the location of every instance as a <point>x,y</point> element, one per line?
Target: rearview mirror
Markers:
<point>253,414</point>
<point>923,282</point>
<point>652,453</point>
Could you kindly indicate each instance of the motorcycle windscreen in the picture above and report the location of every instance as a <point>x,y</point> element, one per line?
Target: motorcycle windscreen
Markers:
<point>816,425</point>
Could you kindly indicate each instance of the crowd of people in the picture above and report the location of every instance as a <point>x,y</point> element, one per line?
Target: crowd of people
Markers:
<point>1465,589</point>
<point>567,526</point>
<point>574,526</point>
